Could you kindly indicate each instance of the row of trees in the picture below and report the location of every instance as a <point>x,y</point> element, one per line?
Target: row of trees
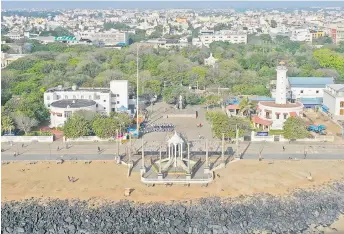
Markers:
<point>86,123</point>
<point>243,69</point>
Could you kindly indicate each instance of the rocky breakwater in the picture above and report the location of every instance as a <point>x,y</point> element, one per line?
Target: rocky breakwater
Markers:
<point>292,214</point>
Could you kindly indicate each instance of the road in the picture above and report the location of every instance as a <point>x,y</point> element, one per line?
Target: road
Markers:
<point>89,151</point>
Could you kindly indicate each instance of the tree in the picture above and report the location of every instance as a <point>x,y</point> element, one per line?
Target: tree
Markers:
<point>25,123</point>
<point>7,123</point>
<point>246,107</point>
<point>212,100</point>
<point>76,126</point>
<point>295,128</point>
<point>104,127</point>
<point>5,48</point>
<point>222,124</point>
<point>273,24</point>
<point>123,119</point>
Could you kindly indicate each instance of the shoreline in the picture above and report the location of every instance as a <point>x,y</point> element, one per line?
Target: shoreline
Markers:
<point>304,211</point>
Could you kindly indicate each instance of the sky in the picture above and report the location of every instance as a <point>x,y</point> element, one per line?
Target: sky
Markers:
<point>50,4</point>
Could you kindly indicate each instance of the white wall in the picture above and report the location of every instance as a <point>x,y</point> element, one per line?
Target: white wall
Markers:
<point>58,121</point>
<point>307,92</point>
<point>330,102</point>
<point>120,87</point>
<point>102,99</point>
<point>27,138</point>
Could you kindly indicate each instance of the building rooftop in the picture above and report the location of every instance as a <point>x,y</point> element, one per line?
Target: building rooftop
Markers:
<point>310,82</point>
<point>337,87</point>
<point>288,105</point>
<point>73,103</point>
<point>70,89</point>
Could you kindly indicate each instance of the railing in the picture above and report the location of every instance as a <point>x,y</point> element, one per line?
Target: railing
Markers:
<point>178,181</point>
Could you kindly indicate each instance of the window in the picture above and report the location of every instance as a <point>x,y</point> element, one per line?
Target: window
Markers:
<point>67,114</point>
<point>57,97</point>
<point>317,91</point>
<point>113,110</point>
<point>66,97</point>
<point>96,105</point>
<point>104,108</point>
<point>301,91</point>
<point>277,115</point>
<point>285,115</point>
<point>82,97</point>
<point>341,111</point>
<point>117,102</point>
<point>97,97</point>
<point>341,104</point>
<point>117,95</point>
<point>104,100</point>
<point>59,114</point>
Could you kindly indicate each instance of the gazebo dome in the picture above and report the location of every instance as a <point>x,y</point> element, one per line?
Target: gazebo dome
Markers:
<point>175,139</point>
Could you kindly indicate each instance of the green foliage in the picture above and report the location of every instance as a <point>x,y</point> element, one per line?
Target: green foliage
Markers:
<point>244,89</point>
<point>222,124</point>
<point>118,26</point>
<point>295,128</point>
<point>5,48</point>
<point>76,126</point>
<point>104,127</point>
<point>7,123</point>
<point>330,59</point>
<point>246,107</point>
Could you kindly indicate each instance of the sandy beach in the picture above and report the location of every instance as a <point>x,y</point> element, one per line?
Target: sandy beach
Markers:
<point>107,180</point>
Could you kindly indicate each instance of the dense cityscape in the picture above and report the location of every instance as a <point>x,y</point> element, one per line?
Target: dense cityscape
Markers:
<point>124,109</point>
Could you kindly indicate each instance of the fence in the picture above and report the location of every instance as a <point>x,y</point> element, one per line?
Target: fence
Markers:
<point>48,139</point>
<point>87,139</point>
<point>282,139</point>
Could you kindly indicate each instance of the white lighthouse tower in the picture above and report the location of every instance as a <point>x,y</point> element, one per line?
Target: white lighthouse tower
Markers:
<point>281,85</point>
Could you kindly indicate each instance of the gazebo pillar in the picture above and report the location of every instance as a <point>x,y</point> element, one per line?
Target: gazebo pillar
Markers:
<point>188,174</point>
<point>175,155</point>
<point>181,151</point>
<point>206,167</point>
<point>169,151</point>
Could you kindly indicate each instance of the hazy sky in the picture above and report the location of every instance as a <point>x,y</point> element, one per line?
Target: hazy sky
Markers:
<point>51,4</point>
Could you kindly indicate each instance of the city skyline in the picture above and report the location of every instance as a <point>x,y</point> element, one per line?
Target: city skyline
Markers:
<point>167,4</point>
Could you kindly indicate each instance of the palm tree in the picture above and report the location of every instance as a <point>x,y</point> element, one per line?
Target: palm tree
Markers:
<point>246,107</point>
<point>7,123</point>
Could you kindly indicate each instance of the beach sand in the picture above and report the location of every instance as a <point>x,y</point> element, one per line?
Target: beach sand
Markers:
<point>107,180</point>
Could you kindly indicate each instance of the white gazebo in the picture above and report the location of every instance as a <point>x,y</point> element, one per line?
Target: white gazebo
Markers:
<point>175,148</point>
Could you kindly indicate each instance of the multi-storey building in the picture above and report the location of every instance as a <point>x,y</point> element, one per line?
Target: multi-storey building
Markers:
<point>111,37</point>
<point>102,100</point>
<point>333,102</point>
<point>337,33</point>
<point>301,35</point>
<point>206,38</point>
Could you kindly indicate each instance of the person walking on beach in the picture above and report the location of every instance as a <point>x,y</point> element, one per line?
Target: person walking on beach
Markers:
<point>98,149</point>
<point>305,154</point>
<point>283,148</point>
<point>260,157</point>
<point>58,148</point>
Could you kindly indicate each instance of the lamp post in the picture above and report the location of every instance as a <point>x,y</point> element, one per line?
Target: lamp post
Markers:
<point>137,89</point>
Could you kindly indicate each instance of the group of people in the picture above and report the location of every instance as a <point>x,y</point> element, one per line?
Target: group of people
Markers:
<point>162,127</point>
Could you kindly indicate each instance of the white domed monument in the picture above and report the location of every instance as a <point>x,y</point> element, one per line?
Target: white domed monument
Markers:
<point>273,114</point>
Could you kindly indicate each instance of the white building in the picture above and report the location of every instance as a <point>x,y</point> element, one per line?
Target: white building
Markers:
<point>301,35</point>
<point>106,100</point>
<point>111,37</point>
<point>273,114</point>
<point>300,88</point>
<point>211,61</point>
<point>61,110</point>
<point>333,102</point>
<point>224,35</point>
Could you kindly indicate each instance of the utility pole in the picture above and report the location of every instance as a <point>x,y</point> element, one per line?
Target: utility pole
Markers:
<point>237,140</point>
<point>223,149</point>
<point>137,90</point>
